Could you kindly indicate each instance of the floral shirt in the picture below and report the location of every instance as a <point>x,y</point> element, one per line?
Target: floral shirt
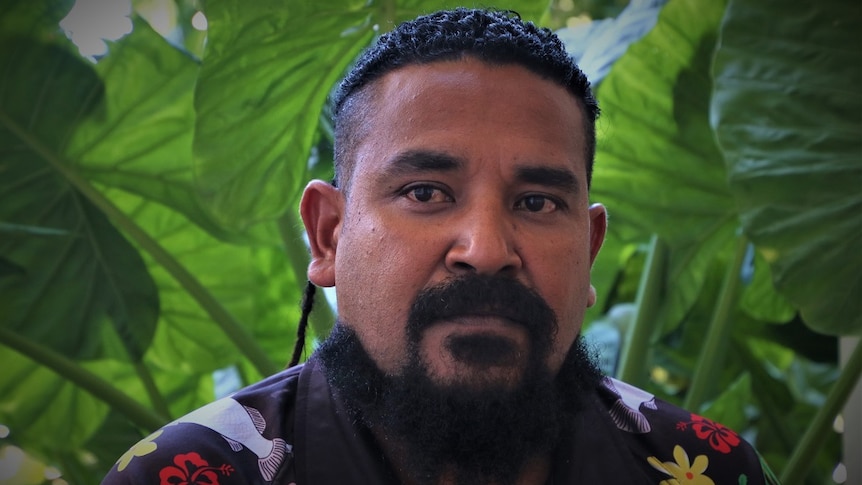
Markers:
<point>290,430</point>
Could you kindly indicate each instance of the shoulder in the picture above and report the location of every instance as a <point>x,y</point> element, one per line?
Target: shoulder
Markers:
<point>676,442</point>
<point>244,438</point>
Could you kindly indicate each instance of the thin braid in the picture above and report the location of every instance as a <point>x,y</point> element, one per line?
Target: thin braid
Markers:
<point>306,305</point>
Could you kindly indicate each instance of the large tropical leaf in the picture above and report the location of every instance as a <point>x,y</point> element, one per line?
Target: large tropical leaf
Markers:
<point>256,284</point>
<point>127,126</point>
<point>596,46</point>
<point>788,114</point>
<point>143,142</point>
<point>267,71</point>
<point>658,168</point>
<point>78,272</point>
<point>140,155</point>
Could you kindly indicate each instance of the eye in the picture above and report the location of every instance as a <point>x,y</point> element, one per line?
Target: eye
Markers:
<point>426,194</point>
<point>537,203</point>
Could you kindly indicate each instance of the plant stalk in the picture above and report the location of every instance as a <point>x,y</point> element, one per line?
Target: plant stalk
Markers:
<point>640,335</point>
<point>238,334</point>
<point>93,384</point>
<point>718,336</point>
<point>806,451</point>
<point>156,397</point>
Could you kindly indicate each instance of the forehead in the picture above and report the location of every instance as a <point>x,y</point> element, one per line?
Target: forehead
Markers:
<point>468,106</point>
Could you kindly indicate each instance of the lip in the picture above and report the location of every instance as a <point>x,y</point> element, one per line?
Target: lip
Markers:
<point>482,320</point>
<point>478,323</point>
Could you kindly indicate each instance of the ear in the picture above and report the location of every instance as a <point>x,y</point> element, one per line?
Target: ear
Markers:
<point>322,211</point>
<point>598,227</point>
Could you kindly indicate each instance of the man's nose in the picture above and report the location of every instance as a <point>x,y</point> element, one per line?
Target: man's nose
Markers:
<point>484,242</point>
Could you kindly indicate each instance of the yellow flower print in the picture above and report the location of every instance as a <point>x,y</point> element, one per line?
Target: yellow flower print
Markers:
<point>683,472</point>
<point>143,447</point>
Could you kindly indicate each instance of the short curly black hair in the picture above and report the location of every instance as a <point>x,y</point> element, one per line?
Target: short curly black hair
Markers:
<point>493,36</point>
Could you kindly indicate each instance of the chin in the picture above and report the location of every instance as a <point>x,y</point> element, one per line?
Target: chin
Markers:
<point>477,378</point>
<point>477,360</point>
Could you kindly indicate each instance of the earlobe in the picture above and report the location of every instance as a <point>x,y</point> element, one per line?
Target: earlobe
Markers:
<point>322,208</point>
<point>591,298</point>
<point>598,227</point>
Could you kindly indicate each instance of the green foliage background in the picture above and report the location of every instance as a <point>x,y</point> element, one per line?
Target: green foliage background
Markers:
<point>149,237</point>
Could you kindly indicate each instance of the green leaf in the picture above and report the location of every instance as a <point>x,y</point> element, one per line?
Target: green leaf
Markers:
<point>64,250</point>
<point>256,284</point>
<point>32,394</point>
<point>91,277</point>
<point>760,300</point>
<point>268,68</point>
<point>608,268</point>
<point>658,168</point>
<point>729,408</point>
<point>37,19</point>
<point>39,405</point>
<point>143,141</point>
<point>787,111</point>
<point>762,360</point>
<point>142,145</point>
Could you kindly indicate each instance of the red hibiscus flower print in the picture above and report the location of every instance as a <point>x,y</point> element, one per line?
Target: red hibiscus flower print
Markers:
<point>720,438</point>
<point>191,469</point>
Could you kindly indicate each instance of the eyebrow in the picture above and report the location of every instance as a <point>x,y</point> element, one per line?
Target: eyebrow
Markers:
<point>414,161</point>
<point>422,161</point>
<point>551,177</point>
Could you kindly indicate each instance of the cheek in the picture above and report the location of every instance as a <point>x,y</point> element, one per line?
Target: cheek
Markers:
<point>373,257</point>
<point>563,274</point>
<point>364,269</point>
<point>564,281</point>
<point>376,281</point>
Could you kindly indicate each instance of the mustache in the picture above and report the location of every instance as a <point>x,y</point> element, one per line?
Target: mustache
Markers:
<point>485,295</point>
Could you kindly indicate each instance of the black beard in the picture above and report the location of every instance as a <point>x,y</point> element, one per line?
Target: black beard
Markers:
<point>506,298</point>
<point>482,434</point>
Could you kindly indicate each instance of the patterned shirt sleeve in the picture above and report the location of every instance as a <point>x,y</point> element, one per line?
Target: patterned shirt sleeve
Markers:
<point>240,439</point>
<point>182,453</point>
<point>683,447</point>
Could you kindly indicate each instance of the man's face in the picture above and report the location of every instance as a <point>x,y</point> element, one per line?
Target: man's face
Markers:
<point>463,168</point>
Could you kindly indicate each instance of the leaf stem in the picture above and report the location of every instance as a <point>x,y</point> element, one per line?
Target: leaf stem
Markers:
<point>93,384</point>
<point>718,335</point>
<point>238,334</point>
<point>640,335</point>
<point>806,451</point>
<point>156,397</point>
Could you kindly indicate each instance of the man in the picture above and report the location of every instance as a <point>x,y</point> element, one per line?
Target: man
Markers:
<point>459,238</point>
